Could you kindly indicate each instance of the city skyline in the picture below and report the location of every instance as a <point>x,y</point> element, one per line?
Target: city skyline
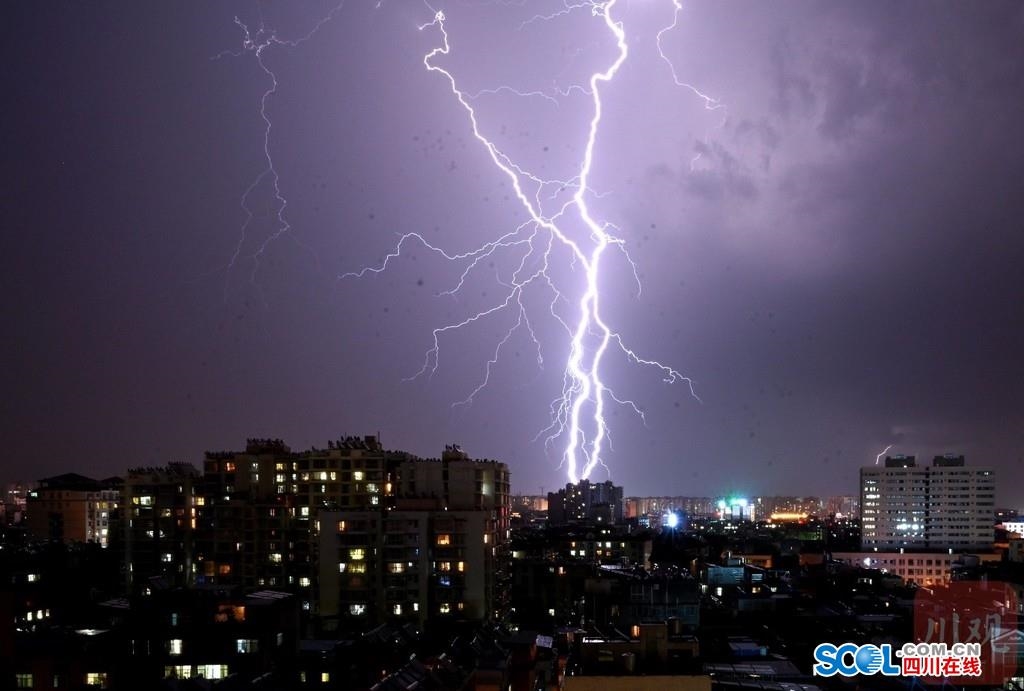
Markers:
<point>727,491</point>
<point>831,256</point>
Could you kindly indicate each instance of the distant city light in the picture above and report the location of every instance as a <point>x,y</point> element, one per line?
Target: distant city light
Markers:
<point>788,516</point>
<point>672,520</point>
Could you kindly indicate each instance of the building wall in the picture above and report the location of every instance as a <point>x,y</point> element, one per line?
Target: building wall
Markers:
<point>158,523</point>
<point>924,568</point>
<point>259,509</point>
<point>942,506</point>
<point>586,501</point>
<point>378,566</point>
<point>1015,552</point>
<point>72,508</point>
<point>57,514</point>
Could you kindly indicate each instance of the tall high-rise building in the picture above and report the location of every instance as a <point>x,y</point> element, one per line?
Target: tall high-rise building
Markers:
<point>947,505</point>
<point>438,551</point>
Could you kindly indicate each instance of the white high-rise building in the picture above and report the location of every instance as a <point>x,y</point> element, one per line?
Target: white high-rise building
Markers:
<point>945,506</point>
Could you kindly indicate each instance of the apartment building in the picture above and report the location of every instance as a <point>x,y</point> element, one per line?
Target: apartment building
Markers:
<point>157,526</point>
<point>72,508</point>
<point>947,505</point>
<point>440,550</point>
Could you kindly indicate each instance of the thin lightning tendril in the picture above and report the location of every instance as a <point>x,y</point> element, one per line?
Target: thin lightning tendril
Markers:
<point>878,458</point>
<point>578,412</point>
<point>257,42</point>
<point>710,102</point>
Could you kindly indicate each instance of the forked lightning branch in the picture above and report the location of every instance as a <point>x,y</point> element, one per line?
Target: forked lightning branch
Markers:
<point>579,412</point>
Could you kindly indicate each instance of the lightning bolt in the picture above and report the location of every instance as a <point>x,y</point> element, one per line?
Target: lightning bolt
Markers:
<point>878,458</point>
<point>257,43</point>
<point>578,412</point>
<point>710,102</point>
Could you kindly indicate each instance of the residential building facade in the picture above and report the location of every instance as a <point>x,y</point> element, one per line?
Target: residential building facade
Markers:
<point>947,505</point>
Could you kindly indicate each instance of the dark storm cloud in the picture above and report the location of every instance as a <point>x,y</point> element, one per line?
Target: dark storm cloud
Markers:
<point>834,256</point>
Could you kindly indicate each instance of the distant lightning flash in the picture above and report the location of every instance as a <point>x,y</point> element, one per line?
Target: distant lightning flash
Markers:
<point>578,412</point>
<point>710,102</point>
<point>257,42</point>
<point>878,458</point>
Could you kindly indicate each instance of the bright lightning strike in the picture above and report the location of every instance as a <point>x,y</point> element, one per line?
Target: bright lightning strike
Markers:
<point>878,458</point>
<point>578,413</point>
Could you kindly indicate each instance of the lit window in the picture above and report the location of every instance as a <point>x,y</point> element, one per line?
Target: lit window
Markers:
<point>374,499</point>
<point>444,539</point>
<point>341,526</point>
<point>246,645</point>
<point>304,511</point>
<point>304,581</point>
<point>174,646</point>
<point>357,609</point>
<point>23,681</point>
<point>212,671</point>
<point>461,566</point>
<point>357,554</point>
<point>341,567</point>
<point>487,538</point>
<point>275,557</point>
<point>358,567</point>
<point>445,608</point>
<point>167,557</point>
<point>325,677</point>
<point>444,566</point>
<point>96,679</point>
<point>397,609</point>
<point>357,475</point>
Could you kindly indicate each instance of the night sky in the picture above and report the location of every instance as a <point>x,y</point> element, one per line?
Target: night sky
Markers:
<point>835,257</point>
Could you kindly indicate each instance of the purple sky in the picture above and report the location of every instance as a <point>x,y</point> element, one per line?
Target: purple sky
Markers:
<point>838,270</point>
